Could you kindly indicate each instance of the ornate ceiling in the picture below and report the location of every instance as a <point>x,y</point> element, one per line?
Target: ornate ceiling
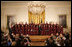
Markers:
<point>36,7</point>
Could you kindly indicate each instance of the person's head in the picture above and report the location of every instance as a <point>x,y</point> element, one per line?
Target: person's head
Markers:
<point>27,35</point>
<point>13,34</point>
<point>61,35</point>
<point>17,36</point>
<point>31,30</point>
<point>61,26</point>
<point>52,34</point>
<point>21,34</point>
<point>18,25</point>
<point>28,29</point>
<point>21,22</point>
<point>15,25</point>
<point>57,34</point>
<point>44,25</point>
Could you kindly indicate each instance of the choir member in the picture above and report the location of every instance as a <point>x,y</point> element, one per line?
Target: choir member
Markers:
<point>39,30</point>
<point>10,29</point>
<point>61,29</point>
<point>31,31</point>
<point>22,28</point>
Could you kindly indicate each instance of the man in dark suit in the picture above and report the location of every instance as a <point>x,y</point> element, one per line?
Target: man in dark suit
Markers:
<point>39,32</point>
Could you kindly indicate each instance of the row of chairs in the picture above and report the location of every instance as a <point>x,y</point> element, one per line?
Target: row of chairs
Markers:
<point>35,29</point>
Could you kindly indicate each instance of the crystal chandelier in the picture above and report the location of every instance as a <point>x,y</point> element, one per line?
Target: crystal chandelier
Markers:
<point>36,7</point>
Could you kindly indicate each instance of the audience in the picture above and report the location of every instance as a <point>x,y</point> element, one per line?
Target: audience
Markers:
<point>24,40</point>
<point>15,40</point>
<point>59,40</point>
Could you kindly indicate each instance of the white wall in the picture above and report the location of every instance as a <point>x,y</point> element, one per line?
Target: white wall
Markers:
<point>52,14</point>
<point>20,11</point>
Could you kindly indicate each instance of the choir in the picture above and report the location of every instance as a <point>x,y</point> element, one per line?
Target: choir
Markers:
<point>37,29</point>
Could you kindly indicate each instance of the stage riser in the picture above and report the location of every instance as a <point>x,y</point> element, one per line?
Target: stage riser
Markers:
<point>37,38</point>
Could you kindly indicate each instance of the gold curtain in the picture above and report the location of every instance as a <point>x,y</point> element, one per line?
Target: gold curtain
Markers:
<point>36,18</point>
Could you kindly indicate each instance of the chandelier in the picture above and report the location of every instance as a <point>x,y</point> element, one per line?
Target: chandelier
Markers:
<point>36,7</point>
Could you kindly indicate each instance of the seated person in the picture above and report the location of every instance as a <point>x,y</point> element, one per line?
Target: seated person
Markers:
<point>5,34</point>
<point>17,40</point>
<point>9,41</point>
<point>4,41</point>
<point>50,42</point>
<point>57,34</point>
<point>66,34</point>
<point>12,37</point>
<point>27,36</point>
<point>52,36</point>
<point>61,37</point>
<point>26,42</point>
<point>67,42</point>
<point>57,42</point>
<point>62,42</point>
<point>47,42</point>
<point>21,36</point>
